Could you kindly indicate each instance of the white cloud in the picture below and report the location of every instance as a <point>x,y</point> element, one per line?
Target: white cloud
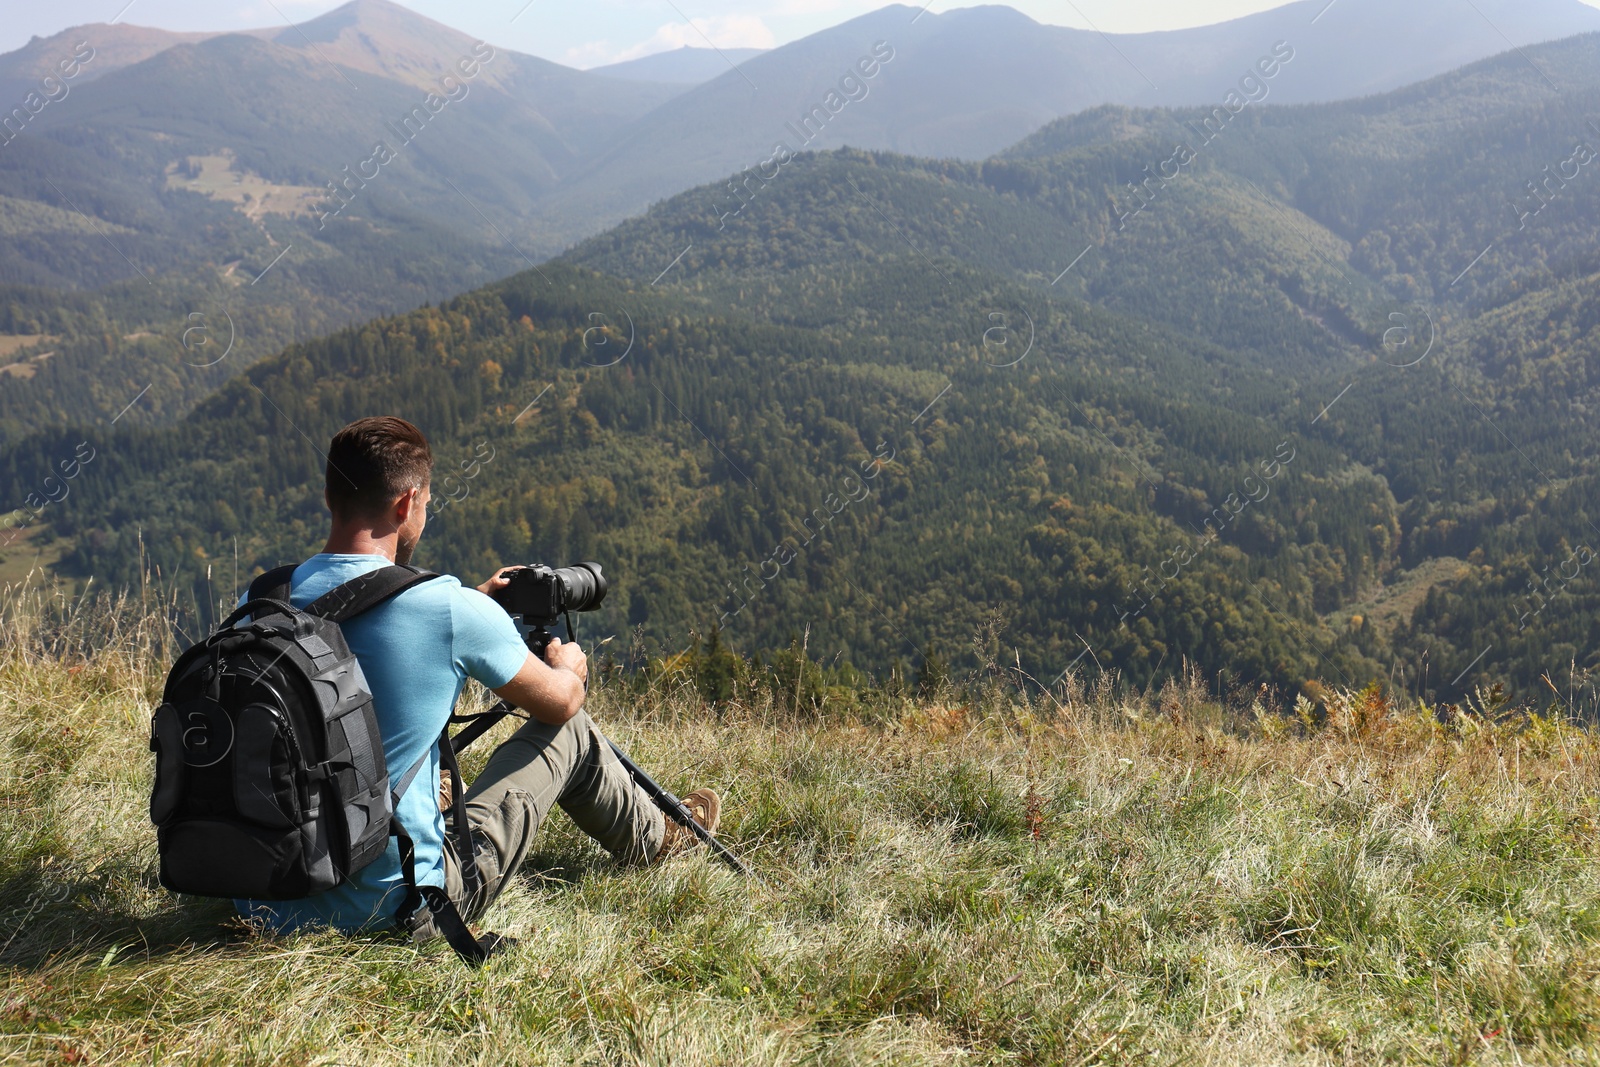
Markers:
<point>723,31</point>
<point>591,54</point>
<point>816,7</point>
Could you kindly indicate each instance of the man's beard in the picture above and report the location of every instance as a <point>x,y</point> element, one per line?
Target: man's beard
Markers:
<point>403,549</point>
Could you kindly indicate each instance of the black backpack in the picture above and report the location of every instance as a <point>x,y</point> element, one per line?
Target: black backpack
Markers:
<point>270,780</point>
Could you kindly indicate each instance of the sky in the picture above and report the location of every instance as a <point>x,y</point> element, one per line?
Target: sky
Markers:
<point>587,33</point>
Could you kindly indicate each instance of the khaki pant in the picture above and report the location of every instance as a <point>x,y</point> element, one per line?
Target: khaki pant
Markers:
<point>536,767</point>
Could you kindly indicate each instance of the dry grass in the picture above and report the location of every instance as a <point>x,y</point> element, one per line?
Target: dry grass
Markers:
<point>220,178</point>
<point>12,343</point>
<point>1090,879</point>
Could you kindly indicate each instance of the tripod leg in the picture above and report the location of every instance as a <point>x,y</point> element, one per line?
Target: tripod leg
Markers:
<point>670,805</point>
<point>673,808</point>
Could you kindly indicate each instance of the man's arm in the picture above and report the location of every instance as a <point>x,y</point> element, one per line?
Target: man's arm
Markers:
<point>551,690</point>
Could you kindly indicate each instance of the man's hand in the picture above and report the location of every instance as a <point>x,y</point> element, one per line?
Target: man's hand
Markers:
<point>499,581</point>
<point>567,657</point>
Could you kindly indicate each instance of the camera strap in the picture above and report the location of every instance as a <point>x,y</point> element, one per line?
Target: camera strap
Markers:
<point>478,724</point>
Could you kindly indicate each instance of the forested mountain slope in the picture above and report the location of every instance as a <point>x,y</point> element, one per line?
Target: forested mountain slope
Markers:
<point>876,503</point>
<point>233,182</point>
<point>880,403</point>
<point>291,181</point>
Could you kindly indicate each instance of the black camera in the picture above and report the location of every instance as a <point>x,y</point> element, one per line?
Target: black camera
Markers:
<point>540,595</point>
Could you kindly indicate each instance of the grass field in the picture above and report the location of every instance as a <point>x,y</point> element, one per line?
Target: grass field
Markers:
<point>26,559</point>
<point>1086,878</point>
<point>219,178</point>
<point>11,343</point>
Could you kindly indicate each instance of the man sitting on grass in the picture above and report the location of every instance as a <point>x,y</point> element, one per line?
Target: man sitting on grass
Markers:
<point>417,651</point>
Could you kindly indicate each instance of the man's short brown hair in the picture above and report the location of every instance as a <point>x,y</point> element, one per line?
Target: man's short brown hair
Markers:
<point>371,462</point>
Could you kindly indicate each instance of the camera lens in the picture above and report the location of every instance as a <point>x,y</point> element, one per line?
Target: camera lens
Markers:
<point>583,587</point>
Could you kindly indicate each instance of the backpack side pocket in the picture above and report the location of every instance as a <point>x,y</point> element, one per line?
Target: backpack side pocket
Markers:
<point>264,761</point>
<point>166,741</point>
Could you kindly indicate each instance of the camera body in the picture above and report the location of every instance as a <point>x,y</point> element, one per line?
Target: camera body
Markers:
<point>538,595</point>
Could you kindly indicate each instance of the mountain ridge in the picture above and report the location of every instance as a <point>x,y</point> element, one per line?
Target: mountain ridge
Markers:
<point>686,65</point>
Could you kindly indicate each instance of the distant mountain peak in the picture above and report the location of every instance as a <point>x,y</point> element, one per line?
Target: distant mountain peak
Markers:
<point>375,36</point>
<point>392,41</point>
<point>369,16</point>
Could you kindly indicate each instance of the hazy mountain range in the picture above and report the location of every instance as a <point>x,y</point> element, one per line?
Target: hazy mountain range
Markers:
<point>179,172</point>
<point>1305,396</point>
<point>549,154</point>
<point>1071,336</point>
<point>969,82</point>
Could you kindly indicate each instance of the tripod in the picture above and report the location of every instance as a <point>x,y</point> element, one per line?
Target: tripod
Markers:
<point>477,725</point>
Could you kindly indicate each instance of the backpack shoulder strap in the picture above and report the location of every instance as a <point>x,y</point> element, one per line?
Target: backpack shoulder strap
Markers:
<point>366,592</point>
<point>273,585</point>
<point>447,918</point>
<point>398,789</point>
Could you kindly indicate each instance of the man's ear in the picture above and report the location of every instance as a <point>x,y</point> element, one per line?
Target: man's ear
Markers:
<point>401,508</point>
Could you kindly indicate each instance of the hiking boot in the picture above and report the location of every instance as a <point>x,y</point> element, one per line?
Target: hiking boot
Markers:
<point>705,807</point>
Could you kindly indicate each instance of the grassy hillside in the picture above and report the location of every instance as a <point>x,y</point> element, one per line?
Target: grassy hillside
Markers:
<point>985,874</point>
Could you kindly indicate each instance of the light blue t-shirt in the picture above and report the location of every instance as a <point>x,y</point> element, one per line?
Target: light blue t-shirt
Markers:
<point>416,651</point>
